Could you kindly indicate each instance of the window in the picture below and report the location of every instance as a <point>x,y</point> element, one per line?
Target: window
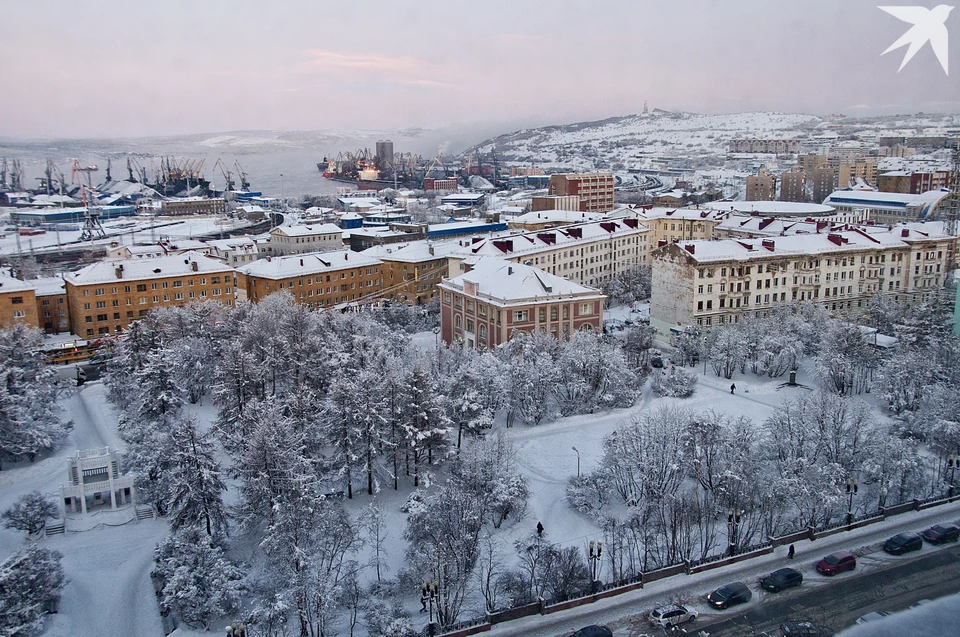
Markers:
<point>520,316</point>
<point>586,309</point>
<point>101,317</point>
<point>101,304</point>
<point>18,314</point>
<point>141,287</point>
<point>16,300</point>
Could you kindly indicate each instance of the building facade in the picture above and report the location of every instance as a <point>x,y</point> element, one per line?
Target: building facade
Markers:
<point>302,239</point>
<point>595,190</point>
<point>824,182</point>
<point>412,272</point>
<point>761,188</point>
<point>793,186</point>
<point>317,280</point>
<point>485,306</point>
<point>193,206</point>
<point>586,253</point>
<point>105,297</point>
<point>18,303</point>
<point>705,283</point>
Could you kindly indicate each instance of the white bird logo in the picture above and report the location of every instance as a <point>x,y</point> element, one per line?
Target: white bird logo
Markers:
<point>928,25</point>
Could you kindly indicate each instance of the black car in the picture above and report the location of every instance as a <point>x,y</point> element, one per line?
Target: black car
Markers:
<point>730,595</point>
<point>593,631</point>
<point>781,579</point>
<point>804,629</point>
<point>903,543</point>
<point>940,533</point>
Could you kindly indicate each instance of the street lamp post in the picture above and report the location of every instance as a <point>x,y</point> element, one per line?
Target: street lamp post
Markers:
<point>852,487</point>
<point>953,461</point>
<point>733,522</point>
<point>596,549</point>
<point>578,462</point>
<point>430,591</point>
<point>236,630</point>
<point>436,334</point>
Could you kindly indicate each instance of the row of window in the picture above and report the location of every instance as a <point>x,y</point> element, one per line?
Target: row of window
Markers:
<point>161,285</point>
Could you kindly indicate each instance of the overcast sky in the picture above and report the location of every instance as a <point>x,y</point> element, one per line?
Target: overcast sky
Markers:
<point>132,68</point>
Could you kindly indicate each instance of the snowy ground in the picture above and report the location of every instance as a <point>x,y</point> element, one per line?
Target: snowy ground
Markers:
<point>107,567</point>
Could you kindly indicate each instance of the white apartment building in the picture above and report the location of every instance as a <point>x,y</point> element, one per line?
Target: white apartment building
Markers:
<point>586,253</point>
<point>302,239</point>
<point>707,283</point>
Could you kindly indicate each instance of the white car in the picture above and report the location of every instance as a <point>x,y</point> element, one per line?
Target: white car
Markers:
<point>672,615</point>
<point>872,617</point>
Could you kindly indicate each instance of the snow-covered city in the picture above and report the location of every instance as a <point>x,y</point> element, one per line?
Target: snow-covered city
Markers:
<point>416,330</point>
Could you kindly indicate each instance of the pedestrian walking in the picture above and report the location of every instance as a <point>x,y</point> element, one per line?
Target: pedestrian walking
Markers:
<point>732,387</point>
<point>790,552</point>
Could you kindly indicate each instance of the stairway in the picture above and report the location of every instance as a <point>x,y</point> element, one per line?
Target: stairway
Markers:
<point>55,528</point>
<point>144,513</point>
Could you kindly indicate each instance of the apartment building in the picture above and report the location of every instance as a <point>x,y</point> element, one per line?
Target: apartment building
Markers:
<point>317,280</point>
<point>595,190</point>
<point>678,224</point>
<point>707,283</point>
<point>849,172</point>
<point>913,182</point>
<point>411,272</point>
<point>761,187</point>
<point>105,297</point>
<point>793,186</point>
<point>18,302</point>
<point>586,253</point>
<point>551,218</point>
<point>485,306</point>
<point>555,202</point>
<point>193,206</point>
<point>234,251</point>
<point>302,239</point>
<point>52,314</point>
<point>824,182</point>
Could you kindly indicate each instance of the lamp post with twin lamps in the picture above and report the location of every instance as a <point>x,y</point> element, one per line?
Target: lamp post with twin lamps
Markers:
<point>953,462</point>
<point>733,522</point>
<point>852,487</point>
<point>430,592</point>
<point>594,557</point>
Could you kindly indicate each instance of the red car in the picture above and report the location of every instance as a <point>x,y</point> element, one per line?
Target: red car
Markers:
<point>837,563</point>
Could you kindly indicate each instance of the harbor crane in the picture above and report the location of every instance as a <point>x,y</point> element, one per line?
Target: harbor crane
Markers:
<point>92,228</point>
<point>244,184</point>
<point>226,175</point>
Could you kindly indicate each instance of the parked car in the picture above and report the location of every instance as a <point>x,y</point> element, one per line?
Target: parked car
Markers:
<point>940,533</point>
<point>872,617</point>
<point>903,543</point>
<point>837,563</point>
<point>781,579</point>
<point>656,362</point>
<point>593,631</point>
<point>804,629</point>
<point>672,615</point>
<point>730,595</point>
<point>921,602</point>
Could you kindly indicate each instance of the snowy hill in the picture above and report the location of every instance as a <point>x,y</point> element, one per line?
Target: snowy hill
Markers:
<point>700,140</point>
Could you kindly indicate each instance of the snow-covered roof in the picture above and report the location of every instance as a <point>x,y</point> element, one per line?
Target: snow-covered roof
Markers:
<point>557,216</point>
<point>49,286</point>
<point>840,240</point>
<point>306,264</point>
<point>146,268</point>
<point>774,208</point>
<point>505,283</point>
<point>531,242</point>
<point>884,199</point>
<point>413,252</point>
<point>9,284</point>
<point>308,230</point>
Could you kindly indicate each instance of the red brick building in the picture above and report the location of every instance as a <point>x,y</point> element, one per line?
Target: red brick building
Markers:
<point>594,189</point>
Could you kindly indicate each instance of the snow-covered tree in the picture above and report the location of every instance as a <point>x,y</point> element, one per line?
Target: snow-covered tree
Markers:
<point>423,421</point>
<point>443,531</point>
<point>627,286</point>
<point>591,374</point>
<point>29,513</point>
<point>196,487</point>
<point>29,412</point>
<point>728,350</point>
<point>486,472</point>
<point>532,374</point>
<point>905,378</point>
<point>846,361</point>
<point>199,582</point>
<point>30,582</point>
<point>675,382</point>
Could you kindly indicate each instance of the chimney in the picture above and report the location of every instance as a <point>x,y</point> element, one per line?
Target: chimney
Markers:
<point>905,232</point>
<point>509,269</point>
<point>835,239</point>
<point>194,266</point>
<point>346,255</point>
<point>768,244</point>
<point>691,248</point>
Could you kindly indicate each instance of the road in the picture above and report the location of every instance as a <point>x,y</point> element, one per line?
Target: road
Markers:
<point>838,603</point>
<point>625,614</point>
